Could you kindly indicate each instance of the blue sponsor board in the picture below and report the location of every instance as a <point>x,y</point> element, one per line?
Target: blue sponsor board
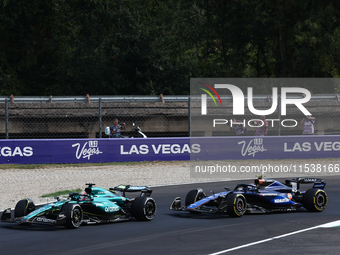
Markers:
<point>35,151</point>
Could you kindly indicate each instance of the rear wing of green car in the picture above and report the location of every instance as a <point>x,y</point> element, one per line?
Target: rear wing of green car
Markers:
<point>145,191</point>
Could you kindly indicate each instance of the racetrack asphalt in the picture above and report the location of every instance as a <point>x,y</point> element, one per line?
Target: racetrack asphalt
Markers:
<point>184,233</point>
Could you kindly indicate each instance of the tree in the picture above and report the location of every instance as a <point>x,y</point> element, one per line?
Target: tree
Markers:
<point>150,47</point>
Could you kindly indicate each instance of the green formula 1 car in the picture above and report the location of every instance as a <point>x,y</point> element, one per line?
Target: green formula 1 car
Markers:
<point>95,205</point>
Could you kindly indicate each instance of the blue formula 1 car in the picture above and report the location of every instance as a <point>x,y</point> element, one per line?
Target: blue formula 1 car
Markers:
<point>264,196</point>
<point>95,205</point>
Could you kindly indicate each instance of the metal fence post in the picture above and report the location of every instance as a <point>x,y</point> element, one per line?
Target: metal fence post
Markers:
<point>279,110</point>
<point>189,115</point>
<point>6,121</point>
<point>100,118</point>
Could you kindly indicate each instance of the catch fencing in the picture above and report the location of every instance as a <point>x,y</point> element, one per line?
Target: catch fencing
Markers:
<point>85,117</point>
<point>157,116</point>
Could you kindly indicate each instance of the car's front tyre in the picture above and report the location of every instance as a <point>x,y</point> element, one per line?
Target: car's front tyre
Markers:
<point>236,205</point>
<point>24,207</point>
<point>193,196</point>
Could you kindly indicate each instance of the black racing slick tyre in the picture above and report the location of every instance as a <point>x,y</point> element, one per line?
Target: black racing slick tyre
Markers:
<point>193,196</point>
<point>143,208</point>
<point>236,205</point>
<point>24,207</point>
<point>74,215</point>
<point>315,200</point>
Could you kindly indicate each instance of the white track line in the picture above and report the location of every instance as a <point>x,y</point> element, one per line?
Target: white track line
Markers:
<point>327,225</point>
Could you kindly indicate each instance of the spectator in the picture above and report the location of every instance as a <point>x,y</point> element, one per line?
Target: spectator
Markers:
<point>262,128</point>
<point>308,125</point>
<point>116,128</point>
<point>239,128</point>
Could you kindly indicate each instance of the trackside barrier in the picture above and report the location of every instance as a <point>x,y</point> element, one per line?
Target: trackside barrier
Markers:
<point>37,151</point>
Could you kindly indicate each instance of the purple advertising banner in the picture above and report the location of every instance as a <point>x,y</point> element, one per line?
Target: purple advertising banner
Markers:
<point>37,151</point>
<point>267,147</point>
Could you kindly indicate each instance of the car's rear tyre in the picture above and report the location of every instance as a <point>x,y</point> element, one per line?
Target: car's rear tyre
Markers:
<point>143,208</point>
<point>74,215</point>
<point>315,200</point>
<point>236,205</point>
<point>24,207</point>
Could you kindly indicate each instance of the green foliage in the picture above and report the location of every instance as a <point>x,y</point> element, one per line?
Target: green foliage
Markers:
<point>149,47</point>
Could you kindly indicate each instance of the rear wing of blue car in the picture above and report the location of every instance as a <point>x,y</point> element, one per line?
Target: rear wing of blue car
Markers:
<point>145,191</point>
<point>318,183</point>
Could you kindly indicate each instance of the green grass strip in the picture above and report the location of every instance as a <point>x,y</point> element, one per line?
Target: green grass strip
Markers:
<point>42,166</point>
<point>60,193</point>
